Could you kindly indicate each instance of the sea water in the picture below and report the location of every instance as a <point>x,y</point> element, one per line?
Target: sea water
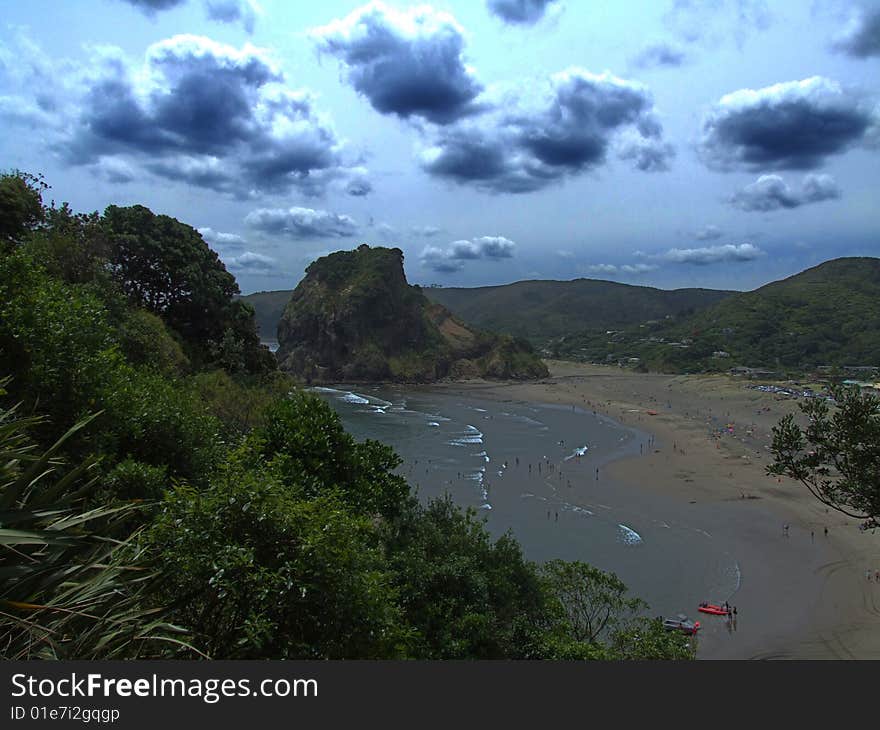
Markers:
<point>565,507</point>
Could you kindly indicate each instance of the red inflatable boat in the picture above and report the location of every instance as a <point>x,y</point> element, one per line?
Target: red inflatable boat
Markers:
<point>713,609</point>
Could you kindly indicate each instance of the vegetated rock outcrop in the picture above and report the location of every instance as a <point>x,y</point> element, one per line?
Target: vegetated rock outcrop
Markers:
<point>354,317</point>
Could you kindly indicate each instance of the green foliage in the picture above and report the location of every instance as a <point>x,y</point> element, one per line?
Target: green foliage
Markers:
<point>646,639</point>
<point>21,206</point>
<point>73,247</point>
<point>837,456</point>
<point>166,267</point>
<point>465,596</point>
<point>257,572</point>
<point>240,404</point>
<point>56,340</point>
<point>307,447</point>
<point>145,340</point>
<point>65,592</point>
<point>593,603</point>
<point>157,422</point>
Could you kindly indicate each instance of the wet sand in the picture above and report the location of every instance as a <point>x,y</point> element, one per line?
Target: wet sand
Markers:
<point>803,594</point>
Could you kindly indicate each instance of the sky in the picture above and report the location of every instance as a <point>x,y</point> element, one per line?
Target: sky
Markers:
<point>668,143</point>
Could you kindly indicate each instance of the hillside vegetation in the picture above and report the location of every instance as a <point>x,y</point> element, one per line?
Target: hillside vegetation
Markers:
<point>826,315</point>
<point>354,317</point>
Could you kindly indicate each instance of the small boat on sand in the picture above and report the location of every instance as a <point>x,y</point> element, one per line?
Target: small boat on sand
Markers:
<point>682,624</point>
<point>714,609</point>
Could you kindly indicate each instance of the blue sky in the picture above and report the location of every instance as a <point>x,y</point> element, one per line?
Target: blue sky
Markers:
<point>718,143</point>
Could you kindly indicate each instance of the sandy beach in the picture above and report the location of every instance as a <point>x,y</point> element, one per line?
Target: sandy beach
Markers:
<point>804,592</point>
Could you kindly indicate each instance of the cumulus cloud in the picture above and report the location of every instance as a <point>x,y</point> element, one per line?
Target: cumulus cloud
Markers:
<point>233,11</point>
<point>648,155</point>
<point>495,247</point>
<point>525,146</point>
<point>660,54</point>
<point>358,184</point>
<point>735,253</point>
<point>437,259</point>
<point>614,269</point>
<point>409,63</point>
<point>222,241</point>
<point>519,12</point>
<point>114,170</point>
<point>492,248</point>
<point>301,223</point>
<point>795,125</point>
<point>861,37</point>
<point>207,114</point>
<point>771,192</point>
<point>708,233</point>
<point>252,263</point>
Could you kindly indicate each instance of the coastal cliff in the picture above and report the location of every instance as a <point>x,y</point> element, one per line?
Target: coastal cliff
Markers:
<point>354,317</point>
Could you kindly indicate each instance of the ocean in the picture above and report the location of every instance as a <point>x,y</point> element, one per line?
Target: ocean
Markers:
<point>538,471</point>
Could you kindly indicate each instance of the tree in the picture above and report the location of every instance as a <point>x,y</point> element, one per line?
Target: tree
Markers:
<point>593,602</point>
<point>257,572</point>
<point>165,266</point>
<point>465,596</point>
<point>837,456</point>
<point>21,205</point>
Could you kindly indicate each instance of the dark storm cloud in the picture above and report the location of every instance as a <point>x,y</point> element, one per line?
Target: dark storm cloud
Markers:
<point>232,11</point>
<point>408,63</point>
<point>151,7</point>
<point>789,126</point>
<point>770,192</point>
<point>522,148</point>
<point>660,54</point>
<point>861,38</point>
<point>210,115</point>
<point>301,223</point>
<point>520,12</point>
<point>221,11</point>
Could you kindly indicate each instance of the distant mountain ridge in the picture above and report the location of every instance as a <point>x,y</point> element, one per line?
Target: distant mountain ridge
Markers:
<point>826,315</point>
<point>542,310</point>
<point>354,317</point>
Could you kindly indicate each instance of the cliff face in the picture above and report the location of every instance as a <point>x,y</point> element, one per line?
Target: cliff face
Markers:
<point>354,317</point>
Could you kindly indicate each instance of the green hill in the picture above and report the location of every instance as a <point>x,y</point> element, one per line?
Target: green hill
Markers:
<point>268,308</point>
<point>826,315</point>
<point>541,310</point>
<point>355,317</point>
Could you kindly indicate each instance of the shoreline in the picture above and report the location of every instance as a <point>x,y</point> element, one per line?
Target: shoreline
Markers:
<point>807,589</point>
